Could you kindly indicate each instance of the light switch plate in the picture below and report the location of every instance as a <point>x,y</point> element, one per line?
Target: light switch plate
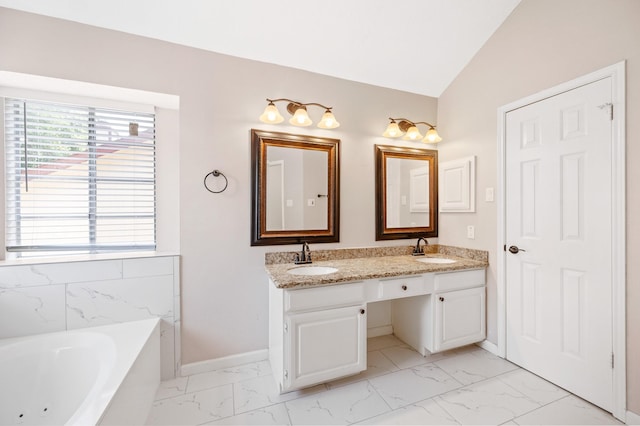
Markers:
<point>488,195</point>
<point>471,232</point>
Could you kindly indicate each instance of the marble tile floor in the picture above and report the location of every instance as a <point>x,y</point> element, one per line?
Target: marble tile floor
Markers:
<point>400,387</point>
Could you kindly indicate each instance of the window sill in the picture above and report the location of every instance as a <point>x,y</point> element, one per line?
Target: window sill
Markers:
<point>86,258</point>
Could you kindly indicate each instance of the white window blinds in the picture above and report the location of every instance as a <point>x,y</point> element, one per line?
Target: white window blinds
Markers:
<point>77,179</point>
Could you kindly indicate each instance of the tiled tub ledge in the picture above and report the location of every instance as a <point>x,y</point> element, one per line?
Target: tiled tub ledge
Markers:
<point>369,263</point>
<point>87,258</point>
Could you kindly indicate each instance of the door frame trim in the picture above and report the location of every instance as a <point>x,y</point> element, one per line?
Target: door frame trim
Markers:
<point>618,228</point>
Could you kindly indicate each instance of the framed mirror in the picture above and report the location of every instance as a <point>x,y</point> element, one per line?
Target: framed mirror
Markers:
<point>406,192</point>
<point>295,189</point>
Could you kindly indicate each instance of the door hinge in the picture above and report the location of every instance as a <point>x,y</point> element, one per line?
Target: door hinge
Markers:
<point>286,374</point>
<point>504,247</point>
<point>286,327</point>
<point>610,106</point>
<point>612,360</point>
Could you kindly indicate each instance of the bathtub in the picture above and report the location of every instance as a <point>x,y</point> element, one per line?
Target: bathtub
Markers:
<point>101,375</point>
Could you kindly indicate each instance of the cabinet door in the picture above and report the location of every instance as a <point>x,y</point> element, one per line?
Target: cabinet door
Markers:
<point>459,318</point>
<point>324,345</point>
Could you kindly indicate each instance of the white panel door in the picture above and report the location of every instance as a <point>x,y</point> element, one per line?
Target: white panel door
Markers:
<point>558,225</point>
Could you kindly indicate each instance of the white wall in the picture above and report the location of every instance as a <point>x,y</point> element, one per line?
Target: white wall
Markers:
<point>224,285</point>
<point>543,43</point>
<point>55,296</point>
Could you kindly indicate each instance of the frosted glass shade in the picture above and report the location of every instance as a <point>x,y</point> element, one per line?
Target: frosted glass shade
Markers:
<point>300,118</point>
<point>432,136</point>
<point>271,115</point>
<point>328,121</point>
<point>393,131</point>
<point>413,134</point>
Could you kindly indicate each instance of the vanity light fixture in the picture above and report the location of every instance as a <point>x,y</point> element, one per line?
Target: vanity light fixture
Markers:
<point>401,126</point>
<point>300,117</point>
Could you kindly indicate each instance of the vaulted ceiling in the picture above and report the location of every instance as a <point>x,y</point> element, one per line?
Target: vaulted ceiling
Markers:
<point>417,46</point>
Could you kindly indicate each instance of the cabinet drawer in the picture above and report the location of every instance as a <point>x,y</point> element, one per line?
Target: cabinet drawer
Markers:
<point>459,280</point>
<point>318,297</point>
<point>401,287</point>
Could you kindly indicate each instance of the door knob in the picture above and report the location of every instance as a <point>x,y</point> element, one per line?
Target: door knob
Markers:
<point>515,249</point>
<point>362,311</point>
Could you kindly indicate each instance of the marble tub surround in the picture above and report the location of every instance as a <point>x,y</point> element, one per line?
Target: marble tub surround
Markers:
<point>57,295</point>
<point>370,263</point>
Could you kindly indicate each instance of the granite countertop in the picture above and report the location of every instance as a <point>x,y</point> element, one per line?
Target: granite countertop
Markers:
<point>375,266</point>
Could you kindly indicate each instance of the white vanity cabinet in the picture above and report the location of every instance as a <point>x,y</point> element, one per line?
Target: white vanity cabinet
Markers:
<point>317,334</point>
<point>457,309</point>
<point>323,345</point>
<point>459,318</point>
<point>450,314</point>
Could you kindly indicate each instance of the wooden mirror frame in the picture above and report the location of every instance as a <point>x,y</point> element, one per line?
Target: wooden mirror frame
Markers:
<point>260,140</point>
<point>382,152</point>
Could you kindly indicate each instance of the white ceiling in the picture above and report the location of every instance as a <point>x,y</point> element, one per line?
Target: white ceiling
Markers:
<point>418,46</point>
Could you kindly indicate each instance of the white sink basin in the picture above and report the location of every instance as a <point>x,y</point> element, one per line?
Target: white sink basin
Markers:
<point>312,270</point>
<point>435,260</point>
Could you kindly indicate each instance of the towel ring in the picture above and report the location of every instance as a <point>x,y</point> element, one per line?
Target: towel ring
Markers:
<point>216,173</point>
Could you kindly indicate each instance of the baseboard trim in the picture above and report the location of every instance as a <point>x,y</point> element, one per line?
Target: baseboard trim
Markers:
<point>224,362</point>
<point>379,331</point>
<point>632,418</point>
<point>488,346</point>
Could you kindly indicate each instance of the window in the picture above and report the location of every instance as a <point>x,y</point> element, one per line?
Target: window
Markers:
<point>78,178</point>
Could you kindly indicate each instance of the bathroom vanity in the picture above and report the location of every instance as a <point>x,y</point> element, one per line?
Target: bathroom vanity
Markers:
<point>318,313</point>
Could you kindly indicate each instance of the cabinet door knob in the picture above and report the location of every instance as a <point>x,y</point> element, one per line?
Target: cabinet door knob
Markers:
<point>362,311</point>
<point>404,287</point>
<point>441,299</point>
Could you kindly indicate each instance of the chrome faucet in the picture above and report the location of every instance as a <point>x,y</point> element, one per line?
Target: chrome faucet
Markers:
<point>304,256</point>
<point>417,250</point>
